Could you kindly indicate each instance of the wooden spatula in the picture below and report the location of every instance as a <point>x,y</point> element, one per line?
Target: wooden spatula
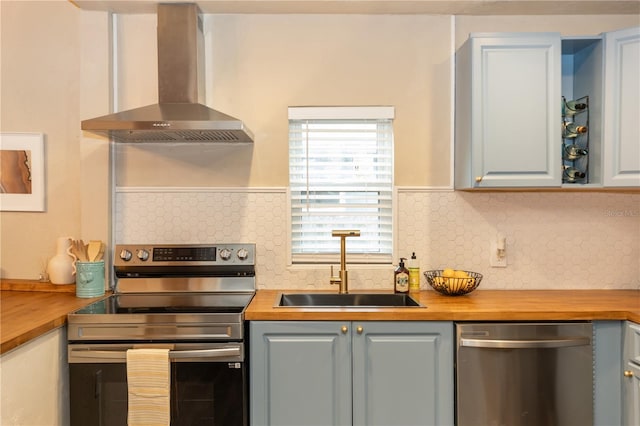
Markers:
<point>100,254</point>
<point>93,250</point>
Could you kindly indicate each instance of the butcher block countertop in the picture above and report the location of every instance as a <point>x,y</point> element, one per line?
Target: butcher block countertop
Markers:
<point>481,305</point>
<point>29,310</point>
<point>34,309</point>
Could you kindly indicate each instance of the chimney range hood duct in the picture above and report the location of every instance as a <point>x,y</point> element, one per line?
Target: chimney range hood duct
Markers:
<point>177,117</point>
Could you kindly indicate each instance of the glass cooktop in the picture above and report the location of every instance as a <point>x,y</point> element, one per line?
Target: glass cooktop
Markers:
<point>170,303</point>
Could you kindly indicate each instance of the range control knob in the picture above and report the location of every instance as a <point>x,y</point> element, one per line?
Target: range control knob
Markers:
<point>142,254</point>
<point>225,254</point>
<point>243,254</point>
<point>125,255</point>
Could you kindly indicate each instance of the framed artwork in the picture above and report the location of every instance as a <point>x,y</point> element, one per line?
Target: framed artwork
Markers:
<point>22,172</point>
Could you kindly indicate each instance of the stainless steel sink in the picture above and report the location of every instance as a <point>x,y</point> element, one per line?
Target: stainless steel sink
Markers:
<point>358,300</point>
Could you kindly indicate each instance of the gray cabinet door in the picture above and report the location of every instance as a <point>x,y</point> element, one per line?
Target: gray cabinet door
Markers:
<point>631,380</point>
<point>403,373</point>
<point>607,358</point>
<point>631,415</point>
<point>622,108</point>
<point>300,373</point>
<point>508,88</point>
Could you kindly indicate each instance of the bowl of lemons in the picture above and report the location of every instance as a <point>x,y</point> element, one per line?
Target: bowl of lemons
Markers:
<point>453,282</point>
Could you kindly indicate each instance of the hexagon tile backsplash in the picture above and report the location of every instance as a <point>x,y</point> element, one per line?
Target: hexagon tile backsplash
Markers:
<point>554,240</point>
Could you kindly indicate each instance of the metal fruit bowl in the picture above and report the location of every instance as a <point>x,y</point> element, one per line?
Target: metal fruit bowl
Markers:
<point>453,286</point>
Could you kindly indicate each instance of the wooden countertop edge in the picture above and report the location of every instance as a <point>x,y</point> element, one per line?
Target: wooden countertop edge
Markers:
<point>14,332</point>
<point>32,334</point>
<point>525,305</point>
<point>35,285</point>
<point>379,315</point>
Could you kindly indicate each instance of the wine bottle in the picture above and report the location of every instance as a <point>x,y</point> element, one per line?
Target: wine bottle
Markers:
<point>573,152</point>
<point>572,130</point>
<point>572,107</point>
<point>571,174</point>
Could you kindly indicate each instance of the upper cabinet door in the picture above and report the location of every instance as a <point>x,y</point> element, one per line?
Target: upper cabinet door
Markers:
<point>622,108</point>
<point>508,90</point>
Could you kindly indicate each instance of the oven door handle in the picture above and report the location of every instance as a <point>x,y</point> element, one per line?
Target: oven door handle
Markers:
<point>205,353</point>
<point>195,353</point>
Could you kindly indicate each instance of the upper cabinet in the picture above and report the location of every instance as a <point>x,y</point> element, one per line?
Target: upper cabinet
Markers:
<point>508,111</point>
<point>511,128</point>
<point>622,108</point>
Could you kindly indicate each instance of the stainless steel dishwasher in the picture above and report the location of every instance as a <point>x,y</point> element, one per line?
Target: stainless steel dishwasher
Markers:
<point>524,374</point>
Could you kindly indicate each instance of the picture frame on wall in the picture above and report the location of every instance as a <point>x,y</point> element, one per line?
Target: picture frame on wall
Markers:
<point>22,172</point>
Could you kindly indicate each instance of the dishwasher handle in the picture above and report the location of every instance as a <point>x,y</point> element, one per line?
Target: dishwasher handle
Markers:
<point>525,344</point>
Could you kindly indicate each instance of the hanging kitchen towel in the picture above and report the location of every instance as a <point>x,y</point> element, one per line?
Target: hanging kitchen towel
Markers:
<point>148,382</point>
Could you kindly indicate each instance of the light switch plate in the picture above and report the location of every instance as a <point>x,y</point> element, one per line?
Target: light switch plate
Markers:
<point>494,260</point>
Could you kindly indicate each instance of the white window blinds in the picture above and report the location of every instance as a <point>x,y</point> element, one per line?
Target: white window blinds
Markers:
<point>341,177</point>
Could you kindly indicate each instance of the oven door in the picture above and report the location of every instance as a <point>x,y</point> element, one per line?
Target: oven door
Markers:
<point>209,383</point>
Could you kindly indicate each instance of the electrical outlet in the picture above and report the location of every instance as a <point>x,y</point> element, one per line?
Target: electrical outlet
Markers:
<point>496,261</point>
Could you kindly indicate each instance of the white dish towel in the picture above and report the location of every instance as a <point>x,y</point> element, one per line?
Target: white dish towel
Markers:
<point>149,387</point>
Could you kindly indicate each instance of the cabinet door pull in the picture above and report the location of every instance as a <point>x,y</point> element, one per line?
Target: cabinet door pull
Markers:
<point>628,373</point>
<point>344,329</point>
<point>478,179</point>
<point>359,329</point>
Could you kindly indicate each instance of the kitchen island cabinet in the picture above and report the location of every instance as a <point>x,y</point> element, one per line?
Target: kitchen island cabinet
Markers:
<point>343,373</point>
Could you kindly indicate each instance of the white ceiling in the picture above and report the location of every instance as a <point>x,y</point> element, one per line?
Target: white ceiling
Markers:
<point>433,7</point>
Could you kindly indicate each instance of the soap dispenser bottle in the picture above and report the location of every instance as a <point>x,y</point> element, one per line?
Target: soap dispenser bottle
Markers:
<point>414,274</point>
<point>401,278</point>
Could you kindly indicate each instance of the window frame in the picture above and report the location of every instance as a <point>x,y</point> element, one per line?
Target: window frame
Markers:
<point>342,113</point>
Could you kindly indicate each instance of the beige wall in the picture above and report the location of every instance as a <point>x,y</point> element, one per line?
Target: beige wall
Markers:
<point>40,93</point>
<point>261,64</point>
<point>55,73</point>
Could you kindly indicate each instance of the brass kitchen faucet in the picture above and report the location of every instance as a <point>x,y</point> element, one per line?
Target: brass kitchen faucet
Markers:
<point>343,278</point>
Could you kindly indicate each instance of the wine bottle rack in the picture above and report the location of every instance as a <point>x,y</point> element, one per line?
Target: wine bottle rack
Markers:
<point>575,147</point>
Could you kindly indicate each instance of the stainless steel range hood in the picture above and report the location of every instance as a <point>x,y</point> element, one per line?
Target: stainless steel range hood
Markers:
<point>178,116</point>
